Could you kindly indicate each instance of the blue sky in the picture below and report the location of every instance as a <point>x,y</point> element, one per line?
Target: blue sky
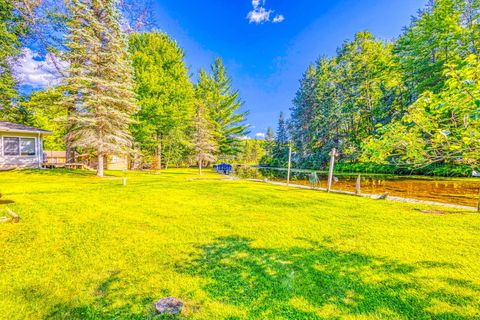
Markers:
<point>266,45</point>
<point>266,60</point>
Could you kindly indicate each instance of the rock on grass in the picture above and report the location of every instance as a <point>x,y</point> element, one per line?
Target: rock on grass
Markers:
<point>169,305</point>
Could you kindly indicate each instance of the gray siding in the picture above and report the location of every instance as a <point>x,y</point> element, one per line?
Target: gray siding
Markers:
<point>13,162</point>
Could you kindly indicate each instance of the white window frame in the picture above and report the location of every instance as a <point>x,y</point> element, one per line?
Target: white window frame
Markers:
<point>20,147</point>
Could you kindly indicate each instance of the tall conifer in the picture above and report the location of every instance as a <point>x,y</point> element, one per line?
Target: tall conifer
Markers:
<point>223,104</point>
<point>205,146</point>
<point>100,80</point>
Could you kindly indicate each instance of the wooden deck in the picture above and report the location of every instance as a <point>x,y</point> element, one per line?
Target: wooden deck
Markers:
<point>76,166</point>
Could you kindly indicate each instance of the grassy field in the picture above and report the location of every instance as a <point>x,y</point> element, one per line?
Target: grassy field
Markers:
<point>89,248</point>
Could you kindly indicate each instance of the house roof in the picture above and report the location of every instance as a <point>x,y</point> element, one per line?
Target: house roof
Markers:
<point>55,153</point>
<point>15,127</point>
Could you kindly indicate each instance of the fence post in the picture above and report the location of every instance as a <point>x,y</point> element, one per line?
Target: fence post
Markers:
<point>333,154</point>
<point>358,190</point>
<point>289,164</point>
<point>478,206</point>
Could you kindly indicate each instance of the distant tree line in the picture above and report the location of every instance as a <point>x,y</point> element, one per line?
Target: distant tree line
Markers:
<point>409,103</point>
<point>123,90</point>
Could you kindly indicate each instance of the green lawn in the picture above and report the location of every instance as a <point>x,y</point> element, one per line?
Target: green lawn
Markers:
<point>89,248</point>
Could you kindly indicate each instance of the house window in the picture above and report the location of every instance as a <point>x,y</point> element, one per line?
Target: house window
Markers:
<point>27,146</point>
<point>13,146</point>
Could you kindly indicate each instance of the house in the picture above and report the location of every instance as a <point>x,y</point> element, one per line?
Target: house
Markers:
<point>117,162</point>
<point>55,156</point>
<point>112,162</point>
<point>20,146</point>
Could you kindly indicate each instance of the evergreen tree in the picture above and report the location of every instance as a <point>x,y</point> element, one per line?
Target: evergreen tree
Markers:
<point>343,100</point>
<point>99,79</point>
<point>280,150</point>
<point>269,142</point>
<point>165,96</point>
<point>282,131</point>
<point>216,93</point>
<point>303,111</point>
<point>11,31</point>
<point>412,102</point>
<point>205,146</point>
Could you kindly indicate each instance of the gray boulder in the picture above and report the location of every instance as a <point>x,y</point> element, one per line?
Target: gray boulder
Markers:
<point>169,305</point>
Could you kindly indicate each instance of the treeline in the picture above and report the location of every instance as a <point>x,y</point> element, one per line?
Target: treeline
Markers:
<point>121,92</point>
<point>407,104</point>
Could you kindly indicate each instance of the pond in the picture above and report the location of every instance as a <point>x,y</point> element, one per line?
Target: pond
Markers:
<point>459,191</point>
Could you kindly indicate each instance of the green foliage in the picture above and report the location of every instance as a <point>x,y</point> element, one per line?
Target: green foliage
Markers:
<point>410,103</point>
<point>252,151</point>
<point>343,100</point>
<point>436,169</point>
<point>165,96</point>
<point>204,141</point>
<point>11,31</point>
<point>442,127</point>
<point>223,103</point>
<point>278,144</point>
<point>46,111</point>
<point>91,249</point>
<point>444,33</point>
<point>99,80</point>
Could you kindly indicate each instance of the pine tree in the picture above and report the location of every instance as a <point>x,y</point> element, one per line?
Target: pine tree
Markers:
<point>280,150</point>
<point>10,33</point>
<point>99,79</point>
<point>269,142</point>
<point>223,103</point>
<point>282,131</point>
<point>203,137</point>
<point>305,106</point>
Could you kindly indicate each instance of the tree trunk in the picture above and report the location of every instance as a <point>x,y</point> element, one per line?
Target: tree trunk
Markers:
<point>100,163</point>
<point>69,153</point>
<point>478,206</point>
<point>160,156</point>
<point>200,167</point>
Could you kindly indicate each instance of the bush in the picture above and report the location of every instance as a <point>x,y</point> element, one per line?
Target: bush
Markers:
<point>443,170</point>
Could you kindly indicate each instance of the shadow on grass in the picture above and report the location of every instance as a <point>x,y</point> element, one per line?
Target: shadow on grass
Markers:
<point>110,302</point>
<point>59,172</point>
<point>301,283</point>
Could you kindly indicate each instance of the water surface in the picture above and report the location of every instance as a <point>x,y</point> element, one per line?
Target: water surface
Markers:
<point>459,191</point>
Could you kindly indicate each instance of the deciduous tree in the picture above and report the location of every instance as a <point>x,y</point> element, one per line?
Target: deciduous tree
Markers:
<point>165,95</point>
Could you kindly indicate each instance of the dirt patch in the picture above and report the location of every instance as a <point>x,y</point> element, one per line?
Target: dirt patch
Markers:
<point>439,212</point>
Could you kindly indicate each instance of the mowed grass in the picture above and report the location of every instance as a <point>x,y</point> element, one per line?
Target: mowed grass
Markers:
<point>89,248</point>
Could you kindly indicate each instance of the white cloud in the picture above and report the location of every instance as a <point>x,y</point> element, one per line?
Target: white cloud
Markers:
<point>256,3</point>
<point>260,14</point>
<point>260,135</point>
<point>278,18</point>
<point>34,71</point>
